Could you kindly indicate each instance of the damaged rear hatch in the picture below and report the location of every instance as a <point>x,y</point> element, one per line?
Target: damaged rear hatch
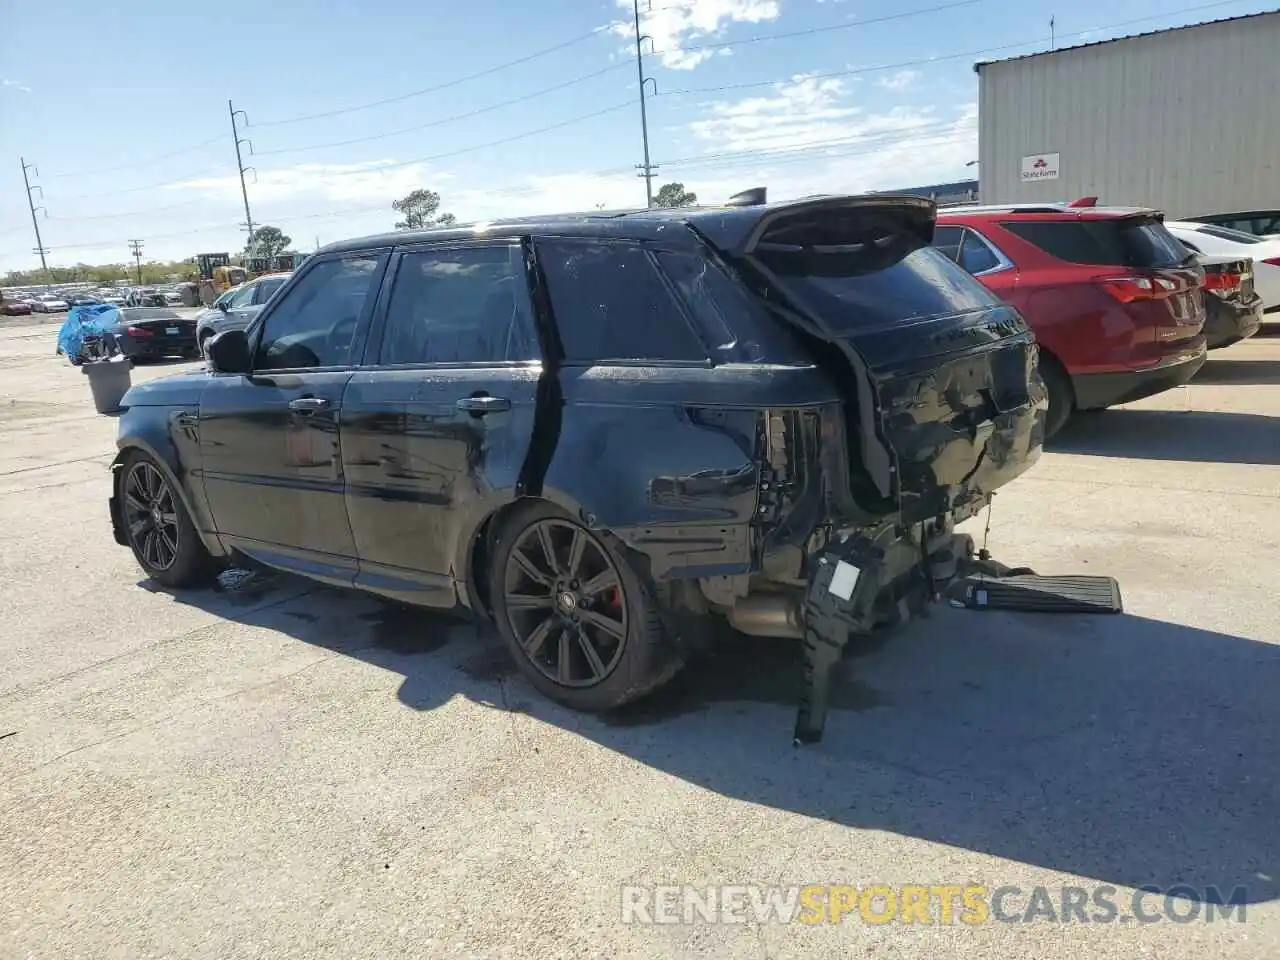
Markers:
<point>942,394</point>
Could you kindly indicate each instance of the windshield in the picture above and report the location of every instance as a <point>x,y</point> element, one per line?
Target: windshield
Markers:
<point>1226,233</point>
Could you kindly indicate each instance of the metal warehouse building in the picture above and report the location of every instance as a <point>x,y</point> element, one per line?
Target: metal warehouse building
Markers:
<point>1186,120</point>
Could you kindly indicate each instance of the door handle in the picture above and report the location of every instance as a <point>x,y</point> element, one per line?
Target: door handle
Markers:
<point>309,404</point>
<point>482,405</point>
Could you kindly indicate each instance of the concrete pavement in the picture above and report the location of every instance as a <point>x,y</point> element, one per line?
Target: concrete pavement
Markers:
<point>276,769</point>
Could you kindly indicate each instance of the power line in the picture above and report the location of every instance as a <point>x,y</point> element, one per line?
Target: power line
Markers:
<point>453,119</point>
<point>148,186</point>
<point>646,168</point>
<point>240,168</point>
<point>481,146</point>
<point>488,71</point>
<point>135,248</point>
<point>133,213</point>
<point>811,31</point>
<point>924,61</point>
<point>137,163</point>
<point>31,204</point>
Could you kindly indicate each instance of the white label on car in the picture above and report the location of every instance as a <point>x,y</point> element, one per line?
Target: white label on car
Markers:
<point>172,331</point>
<point>1040,166</point>
<point>843,580</point>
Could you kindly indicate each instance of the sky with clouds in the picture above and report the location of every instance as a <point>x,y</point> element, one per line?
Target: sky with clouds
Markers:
<point>503,108</point>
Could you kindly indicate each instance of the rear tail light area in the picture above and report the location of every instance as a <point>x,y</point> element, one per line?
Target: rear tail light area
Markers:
<point>139,332</point>
<point>1272,261</point>
<point>1132,289</point>
<point>1223,283</point>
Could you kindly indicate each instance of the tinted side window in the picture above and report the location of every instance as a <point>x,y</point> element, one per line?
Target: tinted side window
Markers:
<point>975,255</point>
<point>611,304</point>
<point>315,323</point>
<point>947,239</point>
<point>468,305</point>
<point>729,312</point>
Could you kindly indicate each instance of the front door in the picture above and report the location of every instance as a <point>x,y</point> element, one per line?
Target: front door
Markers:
<point>269,441</point>
<point>437,426</point>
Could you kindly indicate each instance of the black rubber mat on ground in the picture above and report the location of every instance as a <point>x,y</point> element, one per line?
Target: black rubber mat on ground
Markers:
<point>1034,594</point>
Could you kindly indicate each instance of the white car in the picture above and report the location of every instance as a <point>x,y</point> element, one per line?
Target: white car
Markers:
<point>1213,240</point>
<point>48,304</point>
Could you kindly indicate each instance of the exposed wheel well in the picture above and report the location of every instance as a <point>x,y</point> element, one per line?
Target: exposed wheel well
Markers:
<point>481,554</point>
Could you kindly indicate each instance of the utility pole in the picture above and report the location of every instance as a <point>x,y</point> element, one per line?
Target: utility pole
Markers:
<point>244,191</point>
<point>35,222</point>
<point>646,169</point>
<point>135,247</point>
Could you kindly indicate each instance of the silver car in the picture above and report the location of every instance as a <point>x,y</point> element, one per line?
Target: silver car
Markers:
<point>238,306</point>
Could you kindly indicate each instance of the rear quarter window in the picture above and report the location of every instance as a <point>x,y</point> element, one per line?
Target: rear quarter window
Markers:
<point>1118,242</point>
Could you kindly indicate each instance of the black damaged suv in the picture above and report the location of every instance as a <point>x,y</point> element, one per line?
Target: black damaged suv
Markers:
<point>600,429</point>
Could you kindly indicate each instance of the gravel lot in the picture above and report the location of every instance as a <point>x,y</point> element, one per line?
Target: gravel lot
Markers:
<point>275,769</point>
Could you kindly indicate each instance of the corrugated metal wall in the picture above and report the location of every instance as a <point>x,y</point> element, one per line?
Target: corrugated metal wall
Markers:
<point>1187,120</point>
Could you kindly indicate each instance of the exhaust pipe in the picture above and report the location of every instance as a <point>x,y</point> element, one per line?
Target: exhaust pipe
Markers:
<point>768,615</point>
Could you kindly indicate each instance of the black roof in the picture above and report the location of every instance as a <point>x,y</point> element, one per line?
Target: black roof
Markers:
<point>726,226</point>
<point>977,67</point>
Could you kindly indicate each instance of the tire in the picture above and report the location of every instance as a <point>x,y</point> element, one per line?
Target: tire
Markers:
<point>1061,396</point>
<point>164,540</point>
<point>604,665</point>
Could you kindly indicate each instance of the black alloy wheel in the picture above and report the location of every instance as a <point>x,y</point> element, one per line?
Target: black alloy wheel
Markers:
<point>151,517</point>
<point>564,601</point>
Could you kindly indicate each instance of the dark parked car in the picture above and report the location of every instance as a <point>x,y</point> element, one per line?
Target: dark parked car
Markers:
<point>600,429</point>
<point>14,308</point>
<point>1233,309</point>
<point>1113,297</point>
<point>150,333</point>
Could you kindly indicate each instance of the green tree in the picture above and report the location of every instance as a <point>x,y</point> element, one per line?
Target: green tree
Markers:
<point>674,195</point>
<point>421,211</point>
<point>268,241</point>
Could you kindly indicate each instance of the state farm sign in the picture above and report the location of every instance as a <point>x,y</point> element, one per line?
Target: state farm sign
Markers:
<point>1040,166</point>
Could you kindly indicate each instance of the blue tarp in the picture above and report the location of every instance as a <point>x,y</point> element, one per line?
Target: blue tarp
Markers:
<point>91,321</point>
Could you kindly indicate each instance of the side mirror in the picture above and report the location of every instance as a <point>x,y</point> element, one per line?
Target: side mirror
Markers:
<point>229,352</point>
<point>222,305</point>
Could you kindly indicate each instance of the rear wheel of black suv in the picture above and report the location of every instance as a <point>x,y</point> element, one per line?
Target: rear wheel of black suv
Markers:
<point>581,625</point>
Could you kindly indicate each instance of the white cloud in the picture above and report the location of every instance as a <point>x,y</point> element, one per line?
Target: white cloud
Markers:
<point>902,80</point>
<point>679,24</point>
<point>800,113</point>
<point>330,181</point>
<point>14,84</point>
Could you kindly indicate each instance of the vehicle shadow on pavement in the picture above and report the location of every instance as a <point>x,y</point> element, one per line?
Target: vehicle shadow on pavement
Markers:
<point>1120,749</point>
<point>1259,372</point>
<point>1197,436</point>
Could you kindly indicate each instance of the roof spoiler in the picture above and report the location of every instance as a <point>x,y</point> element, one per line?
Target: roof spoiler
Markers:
<point>748,198</point>
<point>1083,202</point>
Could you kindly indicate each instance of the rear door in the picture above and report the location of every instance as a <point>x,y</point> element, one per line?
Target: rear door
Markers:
<point>438,423</point>
<point>269,441</point>
<point>945,393</point>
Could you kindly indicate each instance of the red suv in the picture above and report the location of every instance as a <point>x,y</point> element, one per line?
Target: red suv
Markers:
<point>1114,299</point>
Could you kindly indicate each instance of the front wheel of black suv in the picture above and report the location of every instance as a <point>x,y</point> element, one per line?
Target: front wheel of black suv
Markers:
<point>160,532</point>
<point>578,620</point>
